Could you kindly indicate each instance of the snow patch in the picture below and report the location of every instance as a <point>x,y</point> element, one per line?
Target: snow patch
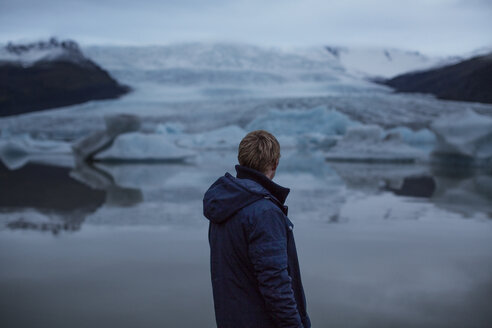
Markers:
<point>30,53</point>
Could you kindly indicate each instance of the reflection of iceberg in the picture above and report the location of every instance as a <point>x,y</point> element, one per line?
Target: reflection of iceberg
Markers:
<point>313,182</point>
<point>374,177</point>
<point>44,197</point>
<point>466,195</point>
<point>34,220</point>
<point>463,138</point>
<point>99,179</point>
<point>415,186</point>
<point>386,206</point>
<point>141,175</point>
<point>366,144</point>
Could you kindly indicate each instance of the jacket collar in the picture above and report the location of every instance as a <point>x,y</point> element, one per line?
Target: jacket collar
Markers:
<point>277,191</point>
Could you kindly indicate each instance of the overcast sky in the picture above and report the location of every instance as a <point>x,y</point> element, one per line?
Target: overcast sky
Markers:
<point>442,27</point>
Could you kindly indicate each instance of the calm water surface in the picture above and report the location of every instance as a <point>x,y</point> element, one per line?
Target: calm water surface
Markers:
<point>126,245</point>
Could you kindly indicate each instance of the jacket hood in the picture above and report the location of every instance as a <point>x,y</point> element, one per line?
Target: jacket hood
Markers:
<point>228,195</point>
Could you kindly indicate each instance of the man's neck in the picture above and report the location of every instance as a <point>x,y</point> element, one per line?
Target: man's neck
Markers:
<point>276,190</point>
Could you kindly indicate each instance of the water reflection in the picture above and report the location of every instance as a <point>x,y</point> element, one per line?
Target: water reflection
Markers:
<point>52,198</point>
<point>399,253</point>
<point>59,202</point>
<point>419,186</point>
<point>99,179</point>
<point>466,193</point>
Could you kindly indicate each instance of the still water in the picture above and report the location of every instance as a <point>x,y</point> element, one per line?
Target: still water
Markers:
<point>125,245</point>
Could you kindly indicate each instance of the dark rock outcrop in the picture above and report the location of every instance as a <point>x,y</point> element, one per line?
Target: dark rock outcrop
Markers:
<point>61,76</point>
<point>469,80</point>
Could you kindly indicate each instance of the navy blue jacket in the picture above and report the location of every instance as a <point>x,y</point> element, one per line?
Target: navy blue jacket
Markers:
<point>254,266</point>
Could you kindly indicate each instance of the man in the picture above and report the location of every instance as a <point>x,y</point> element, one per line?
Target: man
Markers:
<point>255,271</point>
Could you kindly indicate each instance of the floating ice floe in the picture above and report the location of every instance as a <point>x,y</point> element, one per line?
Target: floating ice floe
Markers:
<point>16,151</point>
<point>88,147</point>
<point>463,138</point>
<point>227,137</point>
<point>171,128</point>
<point>318,120</point>
<point>135,146</point>
<point>367,144</point>
<point>423,139</point>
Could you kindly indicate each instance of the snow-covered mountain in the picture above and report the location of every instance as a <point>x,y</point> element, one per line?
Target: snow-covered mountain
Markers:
<point>217,64</point>
<point>381,62</point>
<point>47,74</point>
<point>26,54</point>
<point>467,80</point>
<point>274,64</point>
<point>230,56</point>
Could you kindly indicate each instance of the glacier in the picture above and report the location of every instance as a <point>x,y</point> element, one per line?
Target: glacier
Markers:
<point>310,104</point>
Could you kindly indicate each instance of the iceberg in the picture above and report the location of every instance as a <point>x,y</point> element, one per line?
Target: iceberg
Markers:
<point>171,128</point>
<point>301,122</point>
<point>17,151</point>
<point>227,137</point>
<point>367,144</point>
<point>463,139</point>
<point>86,148</point>
<point>423,139</point>
<point>138,147</point>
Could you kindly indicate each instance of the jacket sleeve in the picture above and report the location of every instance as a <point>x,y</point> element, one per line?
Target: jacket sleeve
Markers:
<point>267,251</point>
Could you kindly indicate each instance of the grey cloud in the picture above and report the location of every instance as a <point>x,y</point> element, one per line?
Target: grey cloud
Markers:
<point>431,26</point>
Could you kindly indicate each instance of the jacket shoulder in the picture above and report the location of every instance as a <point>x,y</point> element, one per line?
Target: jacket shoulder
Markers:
<point>262,211</point>
<point>261,206</point>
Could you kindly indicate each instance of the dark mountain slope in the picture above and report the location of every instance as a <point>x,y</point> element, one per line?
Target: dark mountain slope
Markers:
<point>469,80</point>
<point>63,77</point>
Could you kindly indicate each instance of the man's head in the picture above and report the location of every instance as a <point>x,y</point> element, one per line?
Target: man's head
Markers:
<point>260,150</point>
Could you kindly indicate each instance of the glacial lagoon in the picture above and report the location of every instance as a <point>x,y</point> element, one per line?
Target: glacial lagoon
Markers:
<point>125,244</point>
<point>380,245</point>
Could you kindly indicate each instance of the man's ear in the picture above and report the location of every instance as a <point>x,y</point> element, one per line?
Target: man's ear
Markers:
<point>275,164</point>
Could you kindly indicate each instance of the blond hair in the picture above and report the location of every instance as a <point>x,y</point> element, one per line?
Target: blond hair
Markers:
<point>258,150</point>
